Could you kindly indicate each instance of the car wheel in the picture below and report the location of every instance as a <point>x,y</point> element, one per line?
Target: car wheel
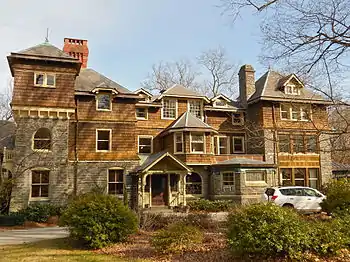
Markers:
<point>288,206</point>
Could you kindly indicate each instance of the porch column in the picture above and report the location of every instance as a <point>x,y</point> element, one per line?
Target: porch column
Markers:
<point>150,190</point>
<point>169,190</point>
<point>142,190</point>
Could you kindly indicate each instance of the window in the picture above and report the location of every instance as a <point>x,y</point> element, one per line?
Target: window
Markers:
<point>44,80</point>
<point>284,143</point>
<point>141,113</point>
<point>194,184</point>
<point>169,109</point>
<point>228,181</point>
<point>294,112</point>
<point>286,176</point>
<point>197,143</point>
<point>284,111</point>
<point>220,103</point>
<point>237,119</point>
<point>42,140</point>
<point>40,183</point>
<point>115,181</point>
<point>238,144</point>
<point>311,144</point>
<point>103,102</point>
<point>313,177</point>
<point>195,108</point>
<point>145,144</point>
<point>178,137</point>
<point>103,140</point>
<point>223,145</point>
<point>299,176</point>
<point>292,90</point>
<point>304,114</point>
<point>255,176</point>
<point>298,144</point>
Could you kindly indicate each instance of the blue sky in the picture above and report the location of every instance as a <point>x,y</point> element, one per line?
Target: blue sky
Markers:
<point>126,37</point>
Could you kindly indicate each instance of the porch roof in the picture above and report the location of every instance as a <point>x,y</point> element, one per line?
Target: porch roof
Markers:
<point>153,159</point>
<point>244,162</point>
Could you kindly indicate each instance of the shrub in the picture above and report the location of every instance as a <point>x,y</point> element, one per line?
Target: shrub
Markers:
<point>40,212</point>
<point>210,206</point>
<point>338,198</point>
<point>267,230</point>
<point>13,219</point>
<point>98,220</point>
<point>176,238</point>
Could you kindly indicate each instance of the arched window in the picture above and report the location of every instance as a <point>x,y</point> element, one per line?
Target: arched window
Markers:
<point>42,139</point>
<point>194,184</point>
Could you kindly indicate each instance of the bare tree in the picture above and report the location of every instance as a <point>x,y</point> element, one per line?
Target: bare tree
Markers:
<point>166,74</point>
<point>222,73</point>
<point>5,108</point>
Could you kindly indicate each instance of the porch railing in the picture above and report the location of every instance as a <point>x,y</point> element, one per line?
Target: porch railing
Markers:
<point>8,155</point>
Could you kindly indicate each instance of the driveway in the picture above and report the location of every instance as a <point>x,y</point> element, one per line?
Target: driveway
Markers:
<point>20,236</point>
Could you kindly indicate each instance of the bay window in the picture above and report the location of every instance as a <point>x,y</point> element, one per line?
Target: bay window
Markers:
<point>197,143</point>
<point>178,143</point>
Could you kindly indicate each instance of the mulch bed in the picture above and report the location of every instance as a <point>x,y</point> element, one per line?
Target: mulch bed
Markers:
<point>213,249</point>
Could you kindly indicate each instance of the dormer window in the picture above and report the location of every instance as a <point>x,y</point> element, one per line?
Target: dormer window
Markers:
<point>220,103</point>
<point>291,90</point>
<point>195,108</point>
<point>44,80</point>
<point>103,102</point>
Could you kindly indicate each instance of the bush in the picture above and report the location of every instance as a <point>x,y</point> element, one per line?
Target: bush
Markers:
<point>176,238</point>
<point>210,206</point>
<point>337,202</point>
<point>99,220</point>
<point>13,219</point>
<point>40,212</point>
<point>267,230</point>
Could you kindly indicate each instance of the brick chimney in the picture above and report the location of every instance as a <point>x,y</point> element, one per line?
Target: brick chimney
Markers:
<point>246,83</point>
<point>77,48</point>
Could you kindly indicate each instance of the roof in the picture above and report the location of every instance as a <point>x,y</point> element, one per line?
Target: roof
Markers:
<point>155,158</point>
<point>89,79</point>
<point>245,162</point>
<point>142,90</point>
<point>7,132</point>
<point>189,122</point>
<point>46,50</point>
<point>340,166</point>
<point>267,87</point>
<point>181,91</point>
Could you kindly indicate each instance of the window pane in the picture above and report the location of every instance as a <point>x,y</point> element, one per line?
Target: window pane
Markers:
<point>141,112</point>
<point>39,79</point>
<point>237,118</point>
<point>298,144</point>
<point>44,191</point>
<point>36,191</point>
<point>255,176</point>
<point>169,108</point>
<point>313,172</point>
<point>115,189</point>
<point>178,137</point>
<point>286,174</point>
<point>197,138</point>
<point>35,177</point>
<point>43,133</point>
<point>145,145</point>
<point>50,80</point>
<point>103,135</point>
<point>238,144</point>
<point>311,144</point>
<point>284,111</point>
<point>195,108</point>
<point>103,102</point>
<point>197,147</point>
<point>284,143</point>
<point>223,145</point>
<point>228,179</point>
<point>299,173</point>
<point>44,177</point>
<point>103,145</point>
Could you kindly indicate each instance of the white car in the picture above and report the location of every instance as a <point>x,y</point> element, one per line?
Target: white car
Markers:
<point>304,199</point>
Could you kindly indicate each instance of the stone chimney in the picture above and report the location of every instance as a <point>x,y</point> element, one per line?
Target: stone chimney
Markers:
<point>246,83</point>
<point>77,48</point>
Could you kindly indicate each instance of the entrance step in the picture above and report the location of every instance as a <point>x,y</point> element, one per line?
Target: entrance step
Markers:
<point>158,209</point>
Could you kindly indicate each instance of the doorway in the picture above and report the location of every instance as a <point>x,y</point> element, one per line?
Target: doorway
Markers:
<point>160,195</point>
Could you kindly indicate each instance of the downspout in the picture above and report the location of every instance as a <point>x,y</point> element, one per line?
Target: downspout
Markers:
<point>75,166</point>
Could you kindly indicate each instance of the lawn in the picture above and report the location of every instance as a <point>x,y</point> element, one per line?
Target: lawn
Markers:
<point>53,250</point>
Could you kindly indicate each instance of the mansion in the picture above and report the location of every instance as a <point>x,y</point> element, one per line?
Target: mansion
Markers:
<point>79,131</point>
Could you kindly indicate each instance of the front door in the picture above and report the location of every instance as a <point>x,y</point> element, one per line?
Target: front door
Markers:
<point>159,190</point>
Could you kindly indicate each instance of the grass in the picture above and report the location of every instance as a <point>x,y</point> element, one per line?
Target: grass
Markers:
<point>53,250</point>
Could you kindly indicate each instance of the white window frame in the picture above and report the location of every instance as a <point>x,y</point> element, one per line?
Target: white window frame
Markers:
<point>142,118</point>
<point>110,140</point>
<point>182,142</point>
<point>41,139</point>
<point>110,102</point>
<point>200,105</point>
<point>305,110</point>
<point>44,84</point>
<point>241,117</point>
<point>223,106</point>
<point>227,145</point>
<point>291,113</point>
<point>197,134</point>
<point>123,182</point>
<point>138,144</point>
<point>284,111</point>
<point>162,109</point>
<point>257,181</point>
<point>39,184</point>
<point>230,187</point>
<point>291,89</point>
<point>233,144</point>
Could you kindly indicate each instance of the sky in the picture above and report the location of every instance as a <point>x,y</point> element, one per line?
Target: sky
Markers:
<point>126,37</point>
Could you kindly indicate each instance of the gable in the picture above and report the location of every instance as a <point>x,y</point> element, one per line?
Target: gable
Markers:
<point>168,164</point>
